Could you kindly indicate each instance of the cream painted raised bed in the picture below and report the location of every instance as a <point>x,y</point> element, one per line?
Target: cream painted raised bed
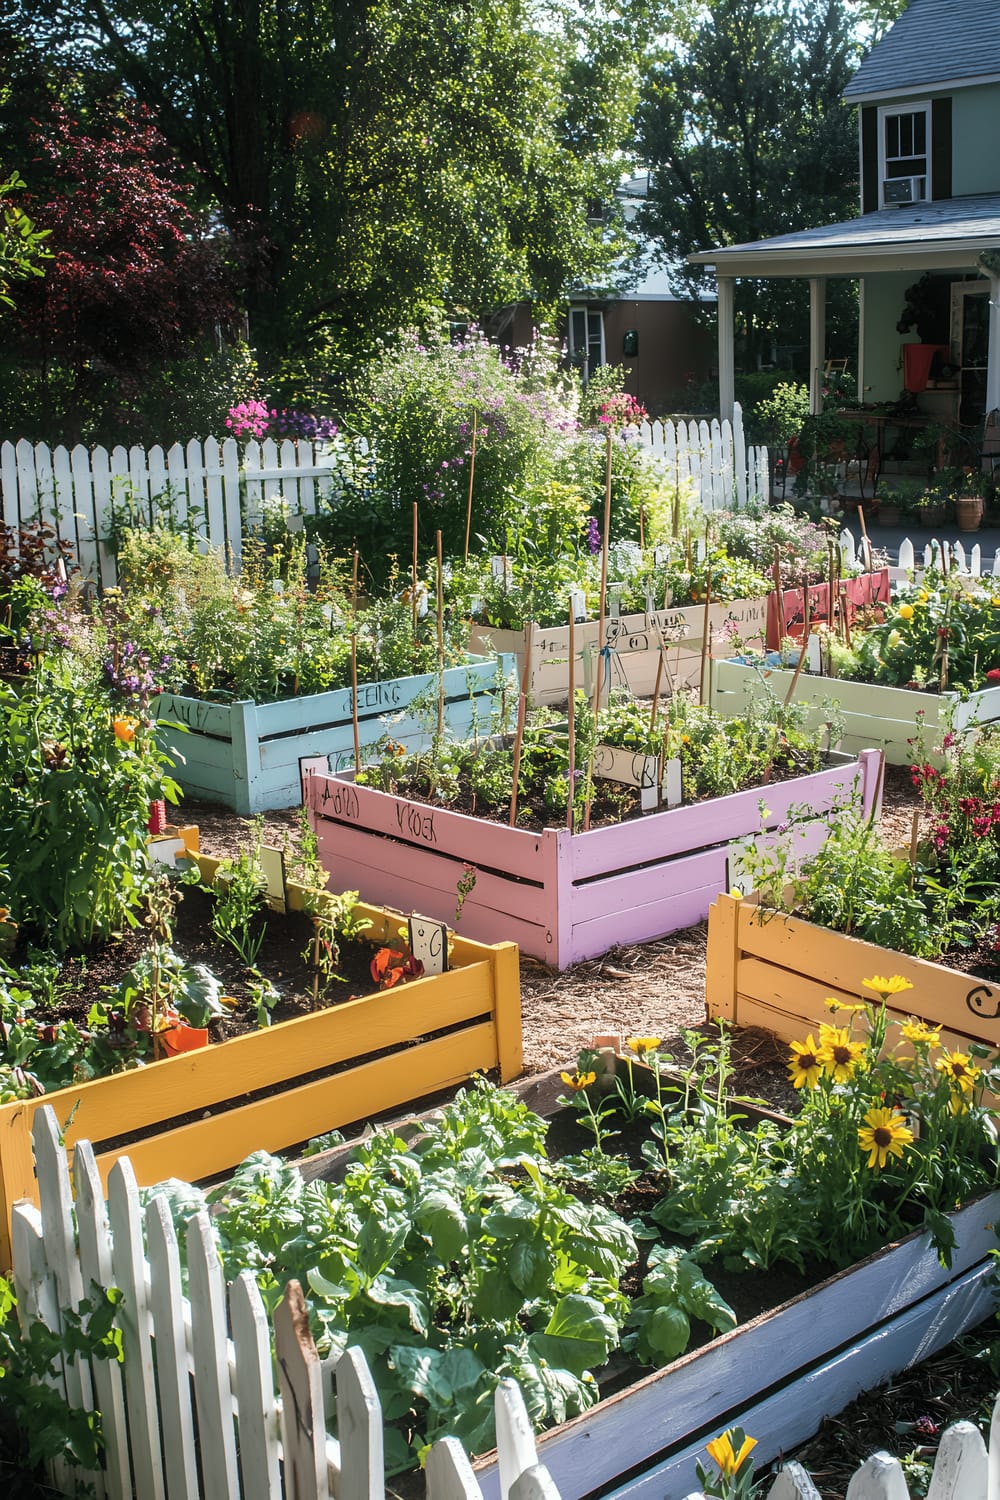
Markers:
<point>633,644</point>
<point>886,717</point>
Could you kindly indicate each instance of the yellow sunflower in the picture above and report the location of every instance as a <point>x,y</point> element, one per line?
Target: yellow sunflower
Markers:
<point>643,1044</point>
<point>805,1064</point>
<point>838,1055</point>
<point>959,1069</point>
<point>832,1003</point>
<point>884,1134</point>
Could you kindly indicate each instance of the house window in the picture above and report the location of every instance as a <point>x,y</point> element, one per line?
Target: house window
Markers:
<point>586,339</point>
<point>904,154</point>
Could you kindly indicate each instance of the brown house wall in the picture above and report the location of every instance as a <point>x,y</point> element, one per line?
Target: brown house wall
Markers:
<point>673,348</point>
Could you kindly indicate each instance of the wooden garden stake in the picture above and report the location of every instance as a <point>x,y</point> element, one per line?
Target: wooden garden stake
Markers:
<point>571,718</point>
<point>315,999</point>
<point>866,540</point>
<point>778,600</point>
<point>522,708</point>
<point>805,645</point>
<point>914,840</point>
<point>354,699</point>
<point>472,475</point>
<point>705,637</point>
<point>656,690</point>
<point>413,579</point>
<point>440,639</point>
<point>605,541</point>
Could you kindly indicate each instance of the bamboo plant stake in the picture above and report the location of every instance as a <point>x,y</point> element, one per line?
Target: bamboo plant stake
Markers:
<point>472,475</point>
<point>522,708</point>
<point>413,582</point>
<point>704,631</point>
<point>354,700</point>
<point>440,639</point>
<point>605,542</point>
<point>805,645</point>
<point>869,559</point>
<point>779,602</point>
<point>571,719</point>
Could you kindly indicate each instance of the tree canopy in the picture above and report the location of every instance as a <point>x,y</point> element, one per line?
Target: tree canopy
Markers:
<point>743,127</point>
<point>371,158</point>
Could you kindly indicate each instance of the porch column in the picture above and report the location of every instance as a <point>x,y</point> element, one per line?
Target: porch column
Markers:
<point>727,364</point>
<point>993,347</point>
<point>861,340</point>
<point>817,341</point>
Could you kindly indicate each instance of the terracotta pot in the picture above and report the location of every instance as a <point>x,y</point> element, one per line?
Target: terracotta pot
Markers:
<point>969,512</point>
<point>182,1038</point>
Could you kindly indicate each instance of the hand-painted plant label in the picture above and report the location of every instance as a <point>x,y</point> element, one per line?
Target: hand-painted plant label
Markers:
<point>342,800</point>
<point>416,821</point>
<point>429,943</point>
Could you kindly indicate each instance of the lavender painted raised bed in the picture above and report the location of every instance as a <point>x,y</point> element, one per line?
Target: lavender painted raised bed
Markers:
<point>564,897</point>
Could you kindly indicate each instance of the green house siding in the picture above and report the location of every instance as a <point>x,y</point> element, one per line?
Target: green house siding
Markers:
<point>976,137</point>
<point>884,298</point>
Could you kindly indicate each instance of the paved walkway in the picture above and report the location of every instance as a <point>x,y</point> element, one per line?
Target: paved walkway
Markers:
<point>889,537</point>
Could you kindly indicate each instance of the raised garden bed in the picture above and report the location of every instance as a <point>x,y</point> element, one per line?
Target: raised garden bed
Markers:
<point>563,896</point>
<point>201,1113</point>
<point>634,648</point>
<point>770,969</point>
<point>862,592</point>
<point>247,755</point>
<point>872,713</point>
<point>780,1374</point>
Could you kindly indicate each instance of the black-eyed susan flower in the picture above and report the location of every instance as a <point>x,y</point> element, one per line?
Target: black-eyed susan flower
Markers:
<point>805,1065</point>
<point>895,985</point>
<point>959,1069</point>
<point>578,1081</point>
<point>643,1044</point>
<point>838,1055</point>
<point>832,1003</point>
<point>885,1133</point>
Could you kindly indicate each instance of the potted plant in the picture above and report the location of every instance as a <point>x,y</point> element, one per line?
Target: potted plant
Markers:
<point>969,499</point>
<point>897,501</point>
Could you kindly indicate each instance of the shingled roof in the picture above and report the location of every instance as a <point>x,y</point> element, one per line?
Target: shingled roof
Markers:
<point>934,42</point>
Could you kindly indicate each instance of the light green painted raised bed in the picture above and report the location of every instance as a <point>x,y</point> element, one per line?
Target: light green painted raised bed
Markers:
<point>248,755</point>
<point>873,715</point>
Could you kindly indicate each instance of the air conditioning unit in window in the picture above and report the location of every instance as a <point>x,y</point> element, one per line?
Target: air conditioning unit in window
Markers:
<point>899,190</point>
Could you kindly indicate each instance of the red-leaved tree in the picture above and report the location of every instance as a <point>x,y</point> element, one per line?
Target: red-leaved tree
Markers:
<point>133,280</point>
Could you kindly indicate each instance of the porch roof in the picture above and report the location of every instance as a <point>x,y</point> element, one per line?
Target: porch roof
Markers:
<point>948,234</point>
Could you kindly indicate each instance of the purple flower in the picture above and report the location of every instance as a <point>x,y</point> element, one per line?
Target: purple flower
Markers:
<point>593,535</point>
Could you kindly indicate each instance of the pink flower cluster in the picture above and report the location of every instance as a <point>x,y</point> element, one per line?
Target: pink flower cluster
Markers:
<point>622,410</point>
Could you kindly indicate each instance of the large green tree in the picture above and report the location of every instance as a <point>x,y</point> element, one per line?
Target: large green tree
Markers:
<point>370,158</point>
<point>743,127</point>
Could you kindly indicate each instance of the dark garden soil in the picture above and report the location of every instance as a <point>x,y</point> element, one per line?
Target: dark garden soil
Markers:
<point>611,804</point>
<point>283,960</point>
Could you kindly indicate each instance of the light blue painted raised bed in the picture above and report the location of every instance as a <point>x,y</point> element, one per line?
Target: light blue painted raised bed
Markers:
<point>248,755</point>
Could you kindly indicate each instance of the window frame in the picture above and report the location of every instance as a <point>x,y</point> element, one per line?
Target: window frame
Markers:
<point>889,111</point>
<point>582,356</point>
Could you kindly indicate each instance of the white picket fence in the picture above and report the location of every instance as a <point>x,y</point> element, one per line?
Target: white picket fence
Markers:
<point>219,490</point>
<point>712,456</point>
<point>914,559</point>
<point>191,1412</point>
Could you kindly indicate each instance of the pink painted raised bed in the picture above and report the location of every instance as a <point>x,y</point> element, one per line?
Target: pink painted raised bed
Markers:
<point>564,897</point>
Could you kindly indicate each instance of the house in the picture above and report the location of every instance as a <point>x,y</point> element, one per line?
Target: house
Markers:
<point>659,337</point>
<point>925,249</point>
<point>637,321</point>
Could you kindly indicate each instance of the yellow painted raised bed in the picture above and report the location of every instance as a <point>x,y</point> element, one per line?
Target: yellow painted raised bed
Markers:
<point>431,1033</point>
<point>766,968</point>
